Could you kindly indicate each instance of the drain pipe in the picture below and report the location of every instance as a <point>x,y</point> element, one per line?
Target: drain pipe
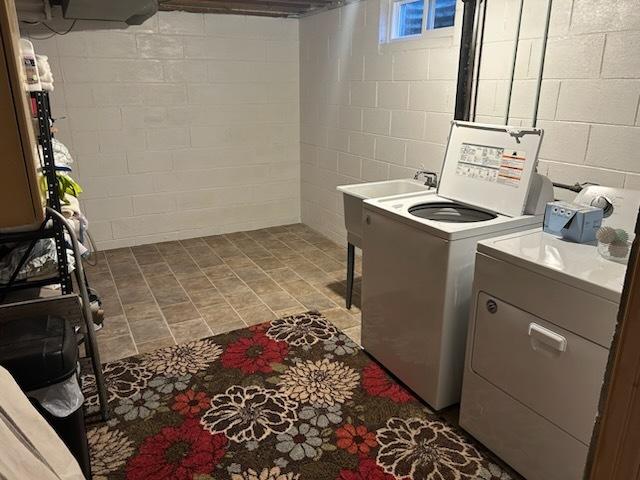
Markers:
<point>466,61</point>
<point>513,63</point>
<point>545,37</point>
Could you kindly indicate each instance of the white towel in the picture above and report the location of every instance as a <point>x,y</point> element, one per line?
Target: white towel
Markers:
<point>61,155</point>
<point>44,71</point>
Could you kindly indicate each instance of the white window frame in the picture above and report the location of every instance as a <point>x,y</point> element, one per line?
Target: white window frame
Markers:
<point>395,11</point>
<point>428,18</point>
<point>388,14</point>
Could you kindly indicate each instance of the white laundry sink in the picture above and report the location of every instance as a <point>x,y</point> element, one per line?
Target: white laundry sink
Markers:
<point>355,194</point>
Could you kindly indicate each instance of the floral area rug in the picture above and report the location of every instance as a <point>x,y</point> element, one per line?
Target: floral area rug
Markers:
<point>291,399</point>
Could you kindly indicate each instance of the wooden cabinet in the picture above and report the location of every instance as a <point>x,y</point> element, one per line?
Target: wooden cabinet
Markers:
<point>21,203</point>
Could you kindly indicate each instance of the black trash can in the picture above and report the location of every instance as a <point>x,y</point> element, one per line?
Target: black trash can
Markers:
<point>41,353</point>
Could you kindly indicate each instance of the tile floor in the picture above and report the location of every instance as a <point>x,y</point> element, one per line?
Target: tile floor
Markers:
<point>171,292</point>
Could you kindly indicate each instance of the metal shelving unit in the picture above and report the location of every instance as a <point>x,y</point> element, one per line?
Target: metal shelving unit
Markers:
<point>43,109</point>
<point>55,226</point>
<point>50,228</point>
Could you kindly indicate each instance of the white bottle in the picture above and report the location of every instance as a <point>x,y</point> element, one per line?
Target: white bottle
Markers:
<point>30,65</point>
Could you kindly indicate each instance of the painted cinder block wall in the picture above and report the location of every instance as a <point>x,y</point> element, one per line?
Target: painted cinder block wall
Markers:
<point>199,124</point>
<point>185,126</point>
<point>375,112</point>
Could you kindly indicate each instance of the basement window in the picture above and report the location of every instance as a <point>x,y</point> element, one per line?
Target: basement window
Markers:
<point>411,18</point>
<point>407,18</point>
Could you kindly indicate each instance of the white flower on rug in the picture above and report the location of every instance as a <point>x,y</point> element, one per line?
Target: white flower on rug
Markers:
<point>251,413</point>
<point>138,405</point>
<point>322,416</point>
<point>341,345</point>
<point>492,472</point>
<point>421,448</point>
<point>110,450</point>
<point>180,360</point>
<point>265,474</point>
<point>321,383</point>
<point>300,442</point>
<point>168,384</point>
<point>122,380</point>
<point>281,462</point>
<point>304,329</point>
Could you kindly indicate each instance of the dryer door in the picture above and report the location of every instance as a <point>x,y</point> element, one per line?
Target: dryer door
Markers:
<point>551,370</point>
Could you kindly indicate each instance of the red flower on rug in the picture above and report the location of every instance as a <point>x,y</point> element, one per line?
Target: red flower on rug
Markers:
<point>190,403</point>
<point>355,439</point>
<point>177,453</point>
<point>254,354</point>
<point>377,383</point>
<point>260,327</point>
<point>308,411</point>
<point>367,470</point>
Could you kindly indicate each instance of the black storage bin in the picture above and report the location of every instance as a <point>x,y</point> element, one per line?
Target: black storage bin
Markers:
<point>40,352</point>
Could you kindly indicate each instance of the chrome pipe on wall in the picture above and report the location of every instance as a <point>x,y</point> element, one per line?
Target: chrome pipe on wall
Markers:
<point>480,23</point>
<point>545,37</point>
<point>513,63</point>
<point>477,50</point>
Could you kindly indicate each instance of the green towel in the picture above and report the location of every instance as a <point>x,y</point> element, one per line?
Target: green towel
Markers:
<point>66,184</point>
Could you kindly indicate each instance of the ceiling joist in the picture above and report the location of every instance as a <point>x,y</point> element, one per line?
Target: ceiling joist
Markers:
<point>270,8</point>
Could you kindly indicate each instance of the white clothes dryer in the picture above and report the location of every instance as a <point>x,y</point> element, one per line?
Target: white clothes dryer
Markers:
<point>542,319</point>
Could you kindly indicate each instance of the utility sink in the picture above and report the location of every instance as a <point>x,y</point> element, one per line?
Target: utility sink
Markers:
<point>355,194</point>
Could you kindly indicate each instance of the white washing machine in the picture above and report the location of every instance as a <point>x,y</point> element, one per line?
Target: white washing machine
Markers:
<point>418,254</point>
<point>542,320</point>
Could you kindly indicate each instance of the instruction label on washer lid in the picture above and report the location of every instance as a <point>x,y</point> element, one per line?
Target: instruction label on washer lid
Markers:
<point>491,164</point>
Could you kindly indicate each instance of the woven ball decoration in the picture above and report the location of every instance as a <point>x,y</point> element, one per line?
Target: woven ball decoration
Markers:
<point>606,235</point>
<point>619,250</point>
<point>622,235</point>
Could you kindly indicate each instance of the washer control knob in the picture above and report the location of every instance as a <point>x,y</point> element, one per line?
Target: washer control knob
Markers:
<point>604,203</point>
<point>492,306</point>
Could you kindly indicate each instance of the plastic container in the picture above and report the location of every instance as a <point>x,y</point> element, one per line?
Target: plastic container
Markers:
<point>616,252</point>
<point>30,65</point>
<point>41,353</point>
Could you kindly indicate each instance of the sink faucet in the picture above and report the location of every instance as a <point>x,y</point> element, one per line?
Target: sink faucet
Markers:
<point>431,178</point>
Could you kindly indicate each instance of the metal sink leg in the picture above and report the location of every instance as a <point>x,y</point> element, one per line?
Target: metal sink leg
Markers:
<point>351,257</point>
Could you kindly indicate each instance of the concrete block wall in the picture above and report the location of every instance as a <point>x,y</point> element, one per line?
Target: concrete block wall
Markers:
<point>196,124</point>
<point>187,125</point>
<point>374,112</point>
<point>591,87</point>
<point>368,111</point>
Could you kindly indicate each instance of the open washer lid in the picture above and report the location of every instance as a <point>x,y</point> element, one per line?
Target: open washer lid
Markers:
<point>490,166</point>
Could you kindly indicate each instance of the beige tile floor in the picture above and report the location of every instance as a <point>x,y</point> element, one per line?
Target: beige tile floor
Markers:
<point>172,292</point>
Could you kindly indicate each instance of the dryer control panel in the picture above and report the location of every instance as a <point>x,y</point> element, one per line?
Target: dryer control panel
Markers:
<point>620,206</point>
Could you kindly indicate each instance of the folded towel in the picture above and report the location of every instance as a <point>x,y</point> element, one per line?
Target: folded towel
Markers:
<point>44,72</point>
<point>61,155</point>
